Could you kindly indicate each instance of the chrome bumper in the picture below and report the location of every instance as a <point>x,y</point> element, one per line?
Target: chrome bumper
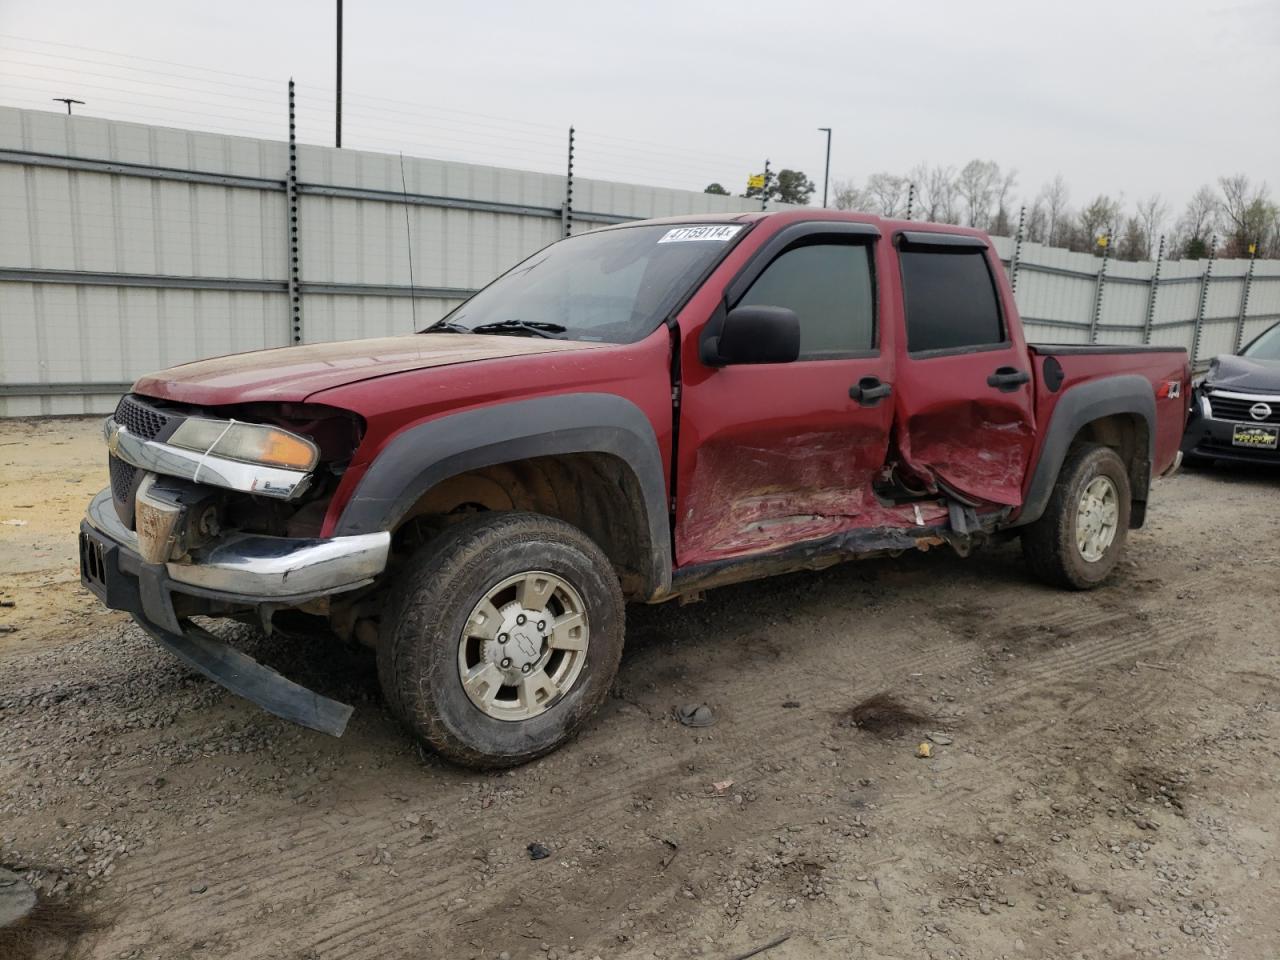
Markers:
<point>260,568</point>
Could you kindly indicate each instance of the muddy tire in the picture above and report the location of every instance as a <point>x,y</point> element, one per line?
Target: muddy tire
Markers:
<point>501,638</point>
<point>1081,535</point>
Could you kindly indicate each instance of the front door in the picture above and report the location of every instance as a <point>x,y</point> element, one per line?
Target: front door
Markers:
<point>773,454</point>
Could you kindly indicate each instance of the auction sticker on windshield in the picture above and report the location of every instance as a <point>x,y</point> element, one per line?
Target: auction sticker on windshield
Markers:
<point>711,231</point>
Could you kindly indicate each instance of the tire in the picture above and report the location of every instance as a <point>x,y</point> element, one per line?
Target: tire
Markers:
<point>423,653</point>
<point>1051,545</point>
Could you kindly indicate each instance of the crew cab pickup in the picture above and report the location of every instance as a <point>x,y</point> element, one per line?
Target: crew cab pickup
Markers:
<point>629,415</point>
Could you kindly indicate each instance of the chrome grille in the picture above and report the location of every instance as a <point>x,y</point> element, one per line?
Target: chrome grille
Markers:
<point>1234,408</point>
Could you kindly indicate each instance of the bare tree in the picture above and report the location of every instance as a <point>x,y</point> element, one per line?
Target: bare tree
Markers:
<point>1247,213</point>
<point>1002,225</point>
<point>889,192</point>
<point>936,193</point>
<point>1100,218</point>
<point>1199,219</point>
<point>847,195</point>
<point>1132,242</point>
<point>1055,196</point>
<point>1037,221</point>
<point>1151,216</point>
<point>977,184</point>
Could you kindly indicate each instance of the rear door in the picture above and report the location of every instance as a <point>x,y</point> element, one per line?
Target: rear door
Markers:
<point>964,393</point>
<point>773,454</point>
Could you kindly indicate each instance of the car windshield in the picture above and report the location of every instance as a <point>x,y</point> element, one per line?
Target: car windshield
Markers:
<point>1266,347</point>
<point>614,286</point>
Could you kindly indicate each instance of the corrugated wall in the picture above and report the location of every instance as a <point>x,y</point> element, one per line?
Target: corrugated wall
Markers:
<point>125,248</point>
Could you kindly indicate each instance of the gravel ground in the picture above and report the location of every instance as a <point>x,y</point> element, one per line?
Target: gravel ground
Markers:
<point>1103,774</point>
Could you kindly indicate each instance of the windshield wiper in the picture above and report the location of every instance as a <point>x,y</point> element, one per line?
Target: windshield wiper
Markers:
<point>534,328</point>
<point>446,326</point>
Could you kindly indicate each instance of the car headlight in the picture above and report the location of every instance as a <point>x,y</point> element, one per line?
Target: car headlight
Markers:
<point>247,442</point>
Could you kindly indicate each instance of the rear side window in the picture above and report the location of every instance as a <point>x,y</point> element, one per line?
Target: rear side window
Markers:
<point>828,285</point>
<point>950,300</point>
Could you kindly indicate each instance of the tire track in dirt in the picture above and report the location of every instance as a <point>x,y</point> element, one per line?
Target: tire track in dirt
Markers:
<point>277,878</point>
<point>282,878</point>
<point>400,920</point>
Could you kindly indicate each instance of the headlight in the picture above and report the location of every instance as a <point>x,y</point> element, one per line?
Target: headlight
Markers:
<point>248,442</point>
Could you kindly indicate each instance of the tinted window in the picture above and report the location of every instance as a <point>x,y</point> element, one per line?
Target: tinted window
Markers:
<point>950,300</point>
<point>829,288</point>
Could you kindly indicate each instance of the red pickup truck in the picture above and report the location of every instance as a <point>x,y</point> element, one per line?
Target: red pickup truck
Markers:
<point>633,414</point>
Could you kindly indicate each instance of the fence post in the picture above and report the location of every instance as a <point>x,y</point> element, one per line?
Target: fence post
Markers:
<point>1017,250</point>
<point>291,205</point>
<point>566,212</point>
<point>1099,287</point>
<point>1151,293</point>
<point>1244,297</point>
<point>911,199</point>
<point>1204,299</point>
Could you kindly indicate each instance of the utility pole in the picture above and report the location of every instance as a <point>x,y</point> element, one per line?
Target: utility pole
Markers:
<point>826,173</point>
<point>764,191</point>
<point>337,118</point>
<point>68,101</point>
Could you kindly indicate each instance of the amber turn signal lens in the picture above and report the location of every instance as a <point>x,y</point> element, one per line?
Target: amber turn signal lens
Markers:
<point>286,450</point>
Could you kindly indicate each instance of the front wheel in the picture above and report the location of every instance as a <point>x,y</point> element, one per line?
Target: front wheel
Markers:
<point>1080,537</point>
<point>501,638</point>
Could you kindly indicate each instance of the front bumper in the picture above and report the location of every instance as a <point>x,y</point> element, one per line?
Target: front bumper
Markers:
<point>249,568</point>
<point>1210,439</point>
<point>238,574</point>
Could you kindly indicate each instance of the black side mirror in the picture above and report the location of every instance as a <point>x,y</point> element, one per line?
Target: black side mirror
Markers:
<point>754,335</point>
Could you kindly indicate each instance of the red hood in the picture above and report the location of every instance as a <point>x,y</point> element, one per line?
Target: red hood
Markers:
<point>291,374</point>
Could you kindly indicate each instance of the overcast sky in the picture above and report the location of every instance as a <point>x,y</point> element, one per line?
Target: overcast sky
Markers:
<point>1126,97</point>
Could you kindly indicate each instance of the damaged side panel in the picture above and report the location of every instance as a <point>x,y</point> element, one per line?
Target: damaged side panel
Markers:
<point>977,449</point>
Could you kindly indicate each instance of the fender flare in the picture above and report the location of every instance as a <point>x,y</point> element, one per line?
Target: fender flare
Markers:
<point>1129,394</point>
<point>420,457</point>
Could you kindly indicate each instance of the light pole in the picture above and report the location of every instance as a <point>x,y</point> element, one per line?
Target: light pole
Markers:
<point>826,173</point>
<point>337,117</point>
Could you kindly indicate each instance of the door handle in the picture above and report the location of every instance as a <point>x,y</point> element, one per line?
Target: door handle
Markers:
<point>869,391</point>
<point>1008,379</point>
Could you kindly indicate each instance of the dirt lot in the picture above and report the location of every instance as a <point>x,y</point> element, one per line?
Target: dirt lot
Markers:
<point>1104,779</point>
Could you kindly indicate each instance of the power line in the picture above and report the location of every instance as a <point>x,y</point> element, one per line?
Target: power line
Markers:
<point>112,76</point>
<point>131,56</point>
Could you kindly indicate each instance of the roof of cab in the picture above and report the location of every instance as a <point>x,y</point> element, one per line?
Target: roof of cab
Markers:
<point>810,214</point>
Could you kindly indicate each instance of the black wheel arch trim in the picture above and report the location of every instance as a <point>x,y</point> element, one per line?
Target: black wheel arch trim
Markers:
<point>422,456</point>
<point>1127,394</point>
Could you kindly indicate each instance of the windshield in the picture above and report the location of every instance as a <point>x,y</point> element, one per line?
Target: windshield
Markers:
<point>613,286</point>
<point>1266,347</point>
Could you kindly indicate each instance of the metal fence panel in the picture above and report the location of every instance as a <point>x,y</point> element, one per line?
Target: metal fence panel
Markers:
<point>126,248</point>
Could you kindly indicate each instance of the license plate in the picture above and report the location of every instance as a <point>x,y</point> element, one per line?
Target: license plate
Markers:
<point>1255,438</point>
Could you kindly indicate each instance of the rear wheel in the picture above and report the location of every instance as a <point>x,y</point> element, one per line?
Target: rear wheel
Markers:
<point>1081,535</point>
<point>501,638</point>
